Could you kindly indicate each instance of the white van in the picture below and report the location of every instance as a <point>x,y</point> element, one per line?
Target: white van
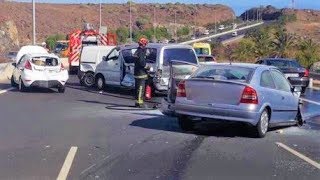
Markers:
<point>90,57</point>
<point>117,68</point>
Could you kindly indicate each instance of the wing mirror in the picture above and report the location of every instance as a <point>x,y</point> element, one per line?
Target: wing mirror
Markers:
<point>14,64</point>
<point>296,89</point>
<point>113,58</point>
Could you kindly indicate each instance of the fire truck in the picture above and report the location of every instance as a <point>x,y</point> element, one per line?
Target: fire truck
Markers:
<point>86,37</point>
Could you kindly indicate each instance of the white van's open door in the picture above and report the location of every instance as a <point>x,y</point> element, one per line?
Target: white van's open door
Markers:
<point>179,70</point>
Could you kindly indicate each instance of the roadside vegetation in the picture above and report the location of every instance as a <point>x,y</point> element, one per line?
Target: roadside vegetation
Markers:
<point>274,41</point>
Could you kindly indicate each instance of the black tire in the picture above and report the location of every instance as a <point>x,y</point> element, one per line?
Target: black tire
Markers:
<point>81,82</point>
<point>100,82</point>
<point>88,79</point>
<point>185,123</point>
<point>22,87</point>
<point>13,84</point>
<point>61,89</point>
<point>299,118</point>
<point>261,129</point>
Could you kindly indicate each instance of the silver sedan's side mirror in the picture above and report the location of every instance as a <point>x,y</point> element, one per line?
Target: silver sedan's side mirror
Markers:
<point>296,89</point>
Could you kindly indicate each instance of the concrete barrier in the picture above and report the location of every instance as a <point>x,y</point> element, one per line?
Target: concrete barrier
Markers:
<point>221,34</point>
<point>3,66</point>
<point>6,72</point>
<point>232,40</point>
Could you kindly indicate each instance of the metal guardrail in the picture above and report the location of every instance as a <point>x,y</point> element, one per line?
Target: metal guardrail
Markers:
<point>315,75</point>
<point>232,39</point>
<point>221,34</point>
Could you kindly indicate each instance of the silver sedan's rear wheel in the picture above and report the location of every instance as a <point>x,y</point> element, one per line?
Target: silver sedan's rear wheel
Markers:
<point>262,127</point>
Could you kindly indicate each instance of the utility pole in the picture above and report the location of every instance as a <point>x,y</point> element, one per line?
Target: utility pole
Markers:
<point>154,21</point>
<point>33,22</point>
<point>175,25</point>
<point>100,24</point>
<point>293,4</point>
<point>215,22</point>
<point>130,21</point>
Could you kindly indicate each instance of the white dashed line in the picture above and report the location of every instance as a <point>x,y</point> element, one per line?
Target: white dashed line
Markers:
<point>310,101</point>
<point>67,164</point>
<point>6,90</point>
<point>301,156</point>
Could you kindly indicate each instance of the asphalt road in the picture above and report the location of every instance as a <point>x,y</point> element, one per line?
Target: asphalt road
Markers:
<point>115,141</point>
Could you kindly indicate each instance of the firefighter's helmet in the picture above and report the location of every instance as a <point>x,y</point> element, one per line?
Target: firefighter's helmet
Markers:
<point>143,42</point>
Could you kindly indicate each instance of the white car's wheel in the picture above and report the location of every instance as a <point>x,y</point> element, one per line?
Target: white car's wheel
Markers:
<point>100,82</point>
<point>22,87</point>
<point>13,83</point>
<point>262,127</point>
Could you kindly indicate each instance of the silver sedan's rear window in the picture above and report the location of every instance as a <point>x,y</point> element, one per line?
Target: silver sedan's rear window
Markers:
<point>226,73</point>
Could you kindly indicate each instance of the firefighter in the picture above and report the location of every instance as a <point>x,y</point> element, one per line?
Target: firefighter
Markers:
<point>140,72</point>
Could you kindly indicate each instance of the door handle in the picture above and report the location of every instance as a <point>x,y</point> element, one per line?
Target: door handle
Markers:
<point>282,98</point>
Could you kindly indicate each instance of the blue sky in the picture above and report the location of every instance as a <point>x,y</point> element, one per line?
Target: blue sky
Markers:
<point>238,6</point>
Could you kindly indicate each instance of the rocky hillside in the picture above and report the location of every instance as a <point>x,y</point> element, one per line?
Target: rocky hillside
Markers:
<point>306,25</point>
<point>9,39</point>
<point>62,18</point>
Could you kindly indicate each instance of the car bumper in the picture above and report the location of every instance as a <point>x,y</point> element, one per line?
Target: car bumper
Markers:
<point>40,80</point>
<point>303,82</point>
<point>218,113</point>
<point>47,84</point>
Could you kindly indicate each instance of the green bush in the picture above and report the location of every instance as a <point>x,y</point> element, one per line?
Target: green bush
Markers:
<point>122,34</point>
<point>51,40</point>
<point>184,31</point>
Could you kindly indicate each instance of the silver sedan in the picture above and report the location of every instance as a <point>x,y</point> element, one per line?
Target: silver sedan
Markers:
<point>254,94</point>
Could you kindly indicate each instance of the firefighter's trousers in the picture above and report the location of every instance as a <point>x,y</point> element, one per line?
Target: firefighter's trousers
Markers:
<point>140,84</point>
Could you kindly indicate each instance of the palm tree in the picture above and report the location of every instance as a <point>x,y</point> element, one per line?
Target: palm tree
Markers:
<point>309,52</point>
<point>245,51</point>
<point>283,43</point>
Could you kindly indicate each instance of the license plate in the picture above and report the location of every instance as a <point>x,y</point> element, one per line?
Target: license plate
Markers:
<point>292,75</point>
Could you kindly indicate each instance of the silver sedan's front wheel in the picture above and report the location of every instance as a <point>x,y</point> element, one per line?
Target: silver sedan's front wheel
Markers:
<point>262,127</point>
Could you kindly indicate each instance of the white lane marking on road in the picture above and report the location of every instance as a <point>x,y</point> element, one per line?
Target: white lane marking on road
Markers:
<point>6,90</point>
<point>301,156</point>
<point>67,164</point>
<point>310,101</point>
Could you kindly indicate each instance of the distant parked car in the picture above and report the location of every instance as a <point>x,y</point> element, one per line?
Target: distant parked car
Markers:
<point>221,27</point>
<point>38,70</point>
<point>206,32</point>
<point>234,34</point>
<point>206,59</point>
<point>260,96</point>
<point>296,74</point>
<point>90,57</point>
<point>12,55</point>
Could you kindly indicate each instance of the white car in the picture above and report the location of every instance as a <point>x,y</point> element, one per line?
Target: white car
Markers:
<point>234,34</point>
<point>221,27</point>
<point>39,70</point>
